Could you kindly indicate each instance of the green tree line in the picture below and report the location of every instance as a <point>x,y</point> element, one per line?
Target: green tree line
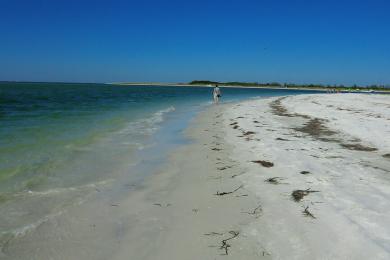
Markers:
<point>286,85</point>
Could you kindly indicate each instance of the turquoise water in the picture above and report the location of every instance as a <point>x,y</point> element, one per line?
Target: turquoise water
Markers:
<point>58,141</point>
<point>48,130</point>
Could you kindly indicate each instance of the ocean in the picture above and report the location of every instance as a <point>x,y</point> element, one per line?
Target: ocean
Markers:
<point>59,142</point>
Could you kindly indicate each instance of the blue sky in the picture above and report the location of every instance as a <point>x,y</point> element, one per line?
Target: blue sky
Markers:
<point>331,42</point>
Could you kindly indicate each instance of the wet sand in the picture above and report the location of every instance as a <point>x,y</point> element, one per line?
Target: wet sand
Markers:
<point>181,212</point>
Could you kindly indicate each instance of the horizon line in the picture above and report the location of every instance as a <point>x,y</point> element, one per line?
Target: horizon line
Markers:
<point>211,82</point>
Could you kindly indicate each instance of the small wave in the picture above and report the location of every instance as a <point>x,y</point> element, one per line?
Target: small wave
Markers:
<point>7,236</point>
<point>23,230</point>
<point>158,117</point>
<point>148,125</point>
<point>29,193</point>
<point>164,111</point>
<point>20,232</point>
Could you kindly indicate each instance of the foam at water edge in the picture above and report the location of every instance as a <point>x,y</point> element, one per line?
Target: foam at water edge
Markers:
<point>63,190</point>
<point>146,126</point>
<point>7,236</point>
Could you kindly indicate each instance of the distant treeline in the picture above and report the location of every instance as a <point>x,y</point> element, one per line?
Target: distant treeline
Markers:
<point>285,85</point>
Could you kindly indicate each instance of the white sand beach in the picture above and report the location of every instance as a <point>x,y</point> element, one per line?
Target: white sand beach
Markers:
<point>336,145</point>
<point>298,177</point>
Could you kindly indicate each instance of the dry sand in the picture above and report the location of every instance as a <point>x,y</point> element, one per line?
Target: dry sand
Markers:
<point>333,144</point>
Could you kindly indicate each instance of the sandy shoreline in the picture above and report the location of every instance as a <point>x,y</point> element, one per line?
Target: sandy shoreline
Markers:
<point>228,194</point>
<point>211,86</point>
<point>340,213</point>
<point>157,84</point>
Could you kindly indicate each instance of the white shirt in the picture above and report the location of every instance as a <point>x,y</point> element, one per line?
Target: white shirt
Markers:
<point>217,91</point>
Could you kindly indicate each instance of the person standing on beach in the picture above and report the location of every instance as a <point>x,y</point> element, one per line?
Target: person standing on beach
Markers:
<point>216,94</point>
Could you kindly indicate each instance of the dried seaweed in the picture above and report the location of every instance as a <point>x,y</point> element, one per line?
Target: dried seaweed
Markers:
<point>264,163</point>
<point>228,192</point>
<point>298,195</point>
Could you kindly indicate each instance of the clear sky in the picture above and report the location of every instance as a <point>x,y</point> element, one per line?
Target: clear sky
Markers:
<point>329,41</point>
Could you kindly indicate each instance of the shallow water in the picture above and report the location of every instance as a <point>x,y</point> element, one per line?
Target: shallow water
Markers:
<point>59,142</point>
